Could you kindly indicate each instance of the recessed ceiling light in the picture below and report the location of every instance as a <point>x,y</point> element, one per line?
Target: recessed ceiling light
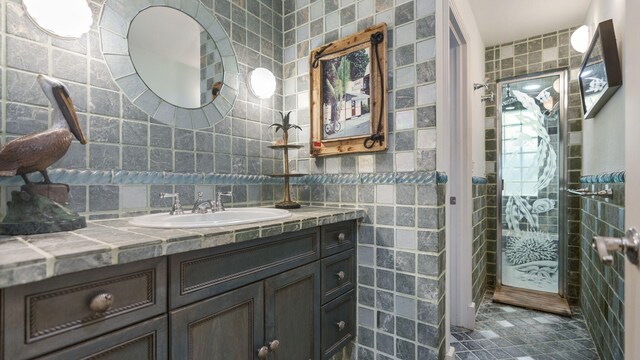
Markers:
<point>586,73</point>
<point>531,87</point>
<point>510,108</point>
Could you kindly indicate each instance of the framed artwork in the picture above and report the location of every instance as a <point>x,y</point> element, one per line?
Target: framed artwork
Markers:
<point>600,75</point>
<point>349,94</point>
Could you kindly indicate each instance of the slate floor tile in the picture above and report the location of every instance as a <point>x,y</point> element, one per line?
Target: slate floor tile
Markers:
<point>509,332</point>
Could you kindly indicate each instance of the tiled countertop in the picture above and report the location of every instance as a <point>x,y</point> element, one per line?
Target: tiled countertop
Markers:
<point>30,258</point>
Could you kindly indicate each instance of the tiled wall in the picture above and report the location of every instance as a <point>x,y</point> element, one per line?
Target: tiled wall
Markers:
<point>602,287</point>
<point>401,242</point>
<point>528,56</point>
<point>120,136</point>
<point>211,70</point>
<point>479,251</point>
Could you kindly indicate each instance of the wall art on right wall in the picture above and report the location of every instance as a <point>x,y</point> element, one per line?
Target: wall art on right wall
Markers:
<point>600,75</point>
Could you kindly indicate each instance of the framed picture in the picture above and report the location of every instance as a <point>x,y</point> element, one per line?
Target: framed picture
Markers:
<point>600,75</point>
<point>349,94</point>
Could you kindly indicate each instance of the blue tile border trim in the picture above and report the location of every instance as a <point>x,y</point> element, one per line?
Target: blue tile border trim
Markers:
<point>604,178</point>
<point>478,180</point>
<point>418,177</point>
<point>122,177</point>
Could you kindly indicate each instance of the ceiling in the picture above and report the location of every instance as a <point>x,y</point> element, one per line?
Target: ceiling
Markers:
<point>501,21</point>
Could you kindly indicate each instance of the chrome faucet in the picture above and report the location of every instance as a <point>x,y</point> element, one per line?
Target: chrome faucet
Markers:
<point>200,206</point>
<point>219,206</point>
<point>176,208</point>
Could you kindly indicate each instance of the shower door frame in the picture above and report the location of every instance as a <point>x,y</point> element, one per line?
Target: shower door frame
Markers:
<point>562,175</point>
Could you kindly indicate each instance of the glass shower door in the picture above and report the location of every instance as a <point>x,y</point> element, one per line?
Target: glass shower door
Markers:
<point>530,168</point>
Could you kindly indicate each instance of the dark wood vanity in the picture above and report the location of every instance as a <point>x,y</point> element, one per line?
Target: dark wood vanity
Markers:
<point>288,296</point>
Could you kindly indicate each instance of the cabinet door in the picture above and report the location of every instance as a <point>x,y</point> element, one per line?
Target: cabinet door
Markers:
<point>292,313</point>
<point>144,341</point>
<point>227,327</point>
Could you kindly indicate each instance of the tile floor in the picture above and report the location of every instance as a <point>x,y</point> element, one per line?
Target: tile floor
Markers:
<point>507,332</point>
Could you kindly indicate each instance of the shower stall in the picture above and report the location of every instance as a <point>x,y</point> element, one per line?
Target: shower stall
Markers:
<point>531,232</point>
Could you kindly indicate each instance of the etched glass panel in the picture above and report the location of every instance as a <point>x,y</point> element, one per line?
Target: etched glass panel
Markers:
<point>530,175</point>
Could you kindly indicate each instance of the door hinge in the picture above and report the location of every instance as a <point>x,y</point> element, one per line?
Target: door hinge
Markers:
<point>452,200</point>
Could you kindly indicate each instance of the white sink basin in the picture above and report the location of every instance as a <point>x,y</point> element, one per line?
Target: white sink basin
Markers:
<point>234,216</point>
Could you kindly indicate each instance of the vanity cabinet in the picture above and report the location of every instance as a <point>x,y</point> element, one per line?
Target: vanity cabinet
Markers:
<point>289,296</point>
<point>276,318</point>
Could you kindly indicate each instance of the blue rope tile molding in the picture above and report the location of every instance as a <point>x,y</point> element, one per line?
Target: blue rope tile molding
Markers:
<point>122,177</point>
<point>478,180</point>
<point>603,178</point>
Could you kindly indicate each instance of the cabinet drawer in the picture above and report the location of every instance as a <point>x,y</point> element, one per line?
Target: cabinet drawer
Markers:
<point>338,275</point>
<point>337,237</point>
<point>338,324</point>
<point>40,317</point>
<point>144,341</point>
<point>202,274</point>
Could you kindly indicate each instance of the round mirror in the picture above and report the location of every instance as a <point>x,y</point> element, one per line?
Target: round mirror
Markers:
<point>173,60</point>
<point>175,57</point>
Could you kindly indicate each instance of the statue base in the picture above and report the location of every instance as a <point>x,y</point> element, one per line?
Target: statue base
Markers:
<point>40,209</point>
<point>288,205</point>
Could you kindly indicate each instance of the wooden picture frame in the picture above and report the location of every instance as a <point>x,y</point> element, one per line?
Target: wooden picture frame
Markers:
<point>600,75</point>
<point>348,97</point>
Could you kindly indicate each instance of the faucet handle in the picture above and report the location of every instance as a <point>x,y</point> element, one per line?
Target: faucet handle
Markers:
<point>219,204</point>
<point>176,208</point>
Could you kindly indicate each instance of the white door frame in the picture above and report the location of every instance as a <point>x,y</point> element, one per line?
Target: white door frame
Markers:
<point>454,158</point>
<point>631,48</point>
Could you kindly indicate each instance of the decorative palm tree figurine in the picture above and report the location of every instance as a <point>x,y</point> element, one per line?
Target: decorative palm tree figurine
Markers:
<point>285,127</point>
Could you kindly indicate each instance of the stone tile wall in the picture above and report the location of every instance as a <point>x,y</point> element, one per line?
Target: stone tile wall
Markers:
<point>602,287</point>
<point>529,56</point>
<point>121,137</point>
<point>401,254</point>
<point>401,246</point>
<point>479,257</point>
<point>211,61</point>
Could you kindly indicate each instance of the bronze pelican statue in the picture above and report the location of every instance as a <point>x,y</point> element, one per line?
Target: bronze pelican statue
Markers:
<point>37,151</point>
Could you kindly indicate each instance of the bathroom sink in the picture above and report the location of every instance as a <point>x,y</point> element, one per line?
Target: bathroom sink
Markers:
<point>231,216</point>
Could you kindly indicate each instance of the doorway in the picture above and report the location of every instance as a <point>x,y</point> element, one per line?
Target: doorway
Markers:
<point>459,203</point>
<point>531,253</point>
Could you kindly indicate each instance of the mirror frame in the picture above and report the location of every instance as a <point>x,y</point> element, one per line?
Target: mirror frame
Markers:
<point>114,25</point>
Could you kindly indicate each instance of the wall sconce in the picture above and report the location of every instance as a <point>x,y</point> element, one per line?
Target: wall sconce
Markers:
<point>261,83</point>
<point>64,18</point>
<point>580,39</point>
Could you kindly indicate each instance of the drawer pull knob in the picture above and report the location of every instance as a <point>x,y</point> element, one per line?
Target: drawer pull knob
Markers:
<point>263,352</point>
<point>341,237</point>
<point>101,303</point>
<point>341,325</point>
<point>273,346</point>
<point>340,275</point>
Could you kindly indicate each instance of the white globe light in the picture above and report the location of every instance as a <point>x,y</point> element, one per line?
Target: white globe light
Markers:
<point>65,18</point>
<point>261,83</point>
<point>580,39</point>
